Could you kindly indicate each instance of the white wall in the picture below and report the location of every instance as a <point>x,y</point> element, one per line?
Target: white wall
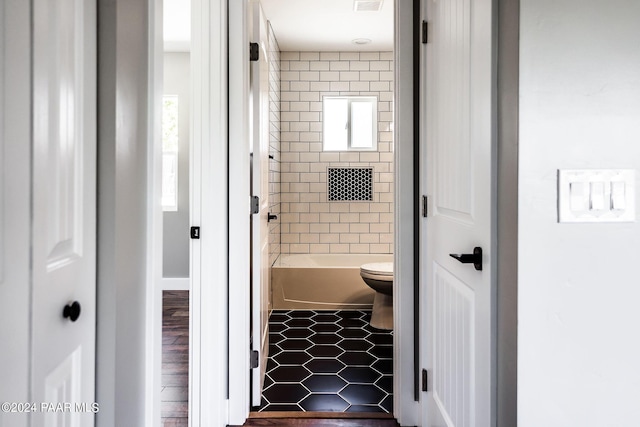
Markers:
<point>15,223</point>
<point>176,223</point>
<point>578,346</point>
<point>122,211</point>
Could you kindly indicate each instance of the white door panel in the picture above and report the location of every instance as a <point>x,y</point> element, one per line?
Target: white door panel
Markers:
<point>64,203</point>
<point>260,187</point>
<point>457,298</point>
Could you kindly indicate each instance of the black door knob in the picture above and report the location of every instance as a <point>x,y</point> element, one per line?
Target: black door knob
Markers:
<point>71,311</point>
<point>475,258</point>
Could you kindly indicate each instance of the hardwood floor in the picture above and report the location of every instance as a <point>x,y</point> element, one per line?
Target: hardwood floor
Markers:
<point>175,359</point>
<point>306,419</point>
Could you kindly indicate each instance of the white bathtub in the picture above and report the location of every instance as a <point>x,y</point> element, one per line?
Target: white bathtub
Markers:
<point>322,281</point>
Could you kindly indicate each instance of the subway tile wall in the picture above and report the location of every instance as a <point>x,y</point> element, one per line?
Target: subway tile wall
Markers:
<point>274,145</point>
<point>308,222</point>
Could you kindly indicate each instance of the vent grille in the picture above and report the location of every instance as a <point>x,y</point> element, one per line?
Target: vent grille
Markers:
<point>367,5</point>
<point>350,184</point>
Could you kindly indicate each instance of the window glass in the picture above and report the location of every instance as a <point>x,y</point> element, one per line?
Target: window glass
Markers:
<point>349,123</point>
<point>170,153</point>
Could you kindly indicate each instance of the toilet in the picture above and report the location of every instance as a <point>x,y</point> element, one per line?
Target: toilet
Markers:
<point>379,277</point>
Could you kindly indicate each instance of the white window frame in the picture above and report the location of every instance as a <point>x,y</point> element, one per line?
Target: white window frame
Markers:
<point>350,125</point>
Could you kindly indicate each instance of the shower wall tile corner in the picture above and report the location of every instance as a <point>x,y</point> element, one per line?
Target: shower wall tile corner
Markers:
<point>308,222</point>
<point>274,146</point>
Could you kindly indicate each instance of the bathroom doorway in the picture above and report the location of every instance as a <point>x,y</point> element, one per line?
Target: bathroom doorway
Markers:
<point>331,197</point>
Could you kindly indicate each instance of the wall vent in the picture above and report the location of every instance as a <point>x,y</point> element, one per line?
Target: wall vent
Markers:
<point>350,184</point>
<point>367,5</point>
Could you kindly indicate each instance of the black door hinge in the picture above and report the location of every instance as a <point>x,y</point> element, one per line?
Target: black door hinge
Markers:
<point>425,32</point>
<point>425,380</point>
<point>255,204</point>
<point>195,232</point>
<point>425,206</point>
<point>255,359</point>
<point>254,51</point>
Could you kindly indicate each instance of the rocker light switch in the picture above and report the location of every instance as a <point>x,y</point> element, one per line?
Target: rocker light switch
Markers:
<point>596,195</point>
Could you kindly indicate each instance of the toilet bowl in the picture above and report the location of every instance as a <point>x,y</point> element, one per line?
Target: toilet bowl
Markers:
<point>379,277</point>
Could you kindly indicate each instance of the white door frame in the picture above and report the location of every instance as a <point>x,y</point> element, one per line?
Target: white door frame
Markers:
<point>209,260</point>
<point>406,409</point>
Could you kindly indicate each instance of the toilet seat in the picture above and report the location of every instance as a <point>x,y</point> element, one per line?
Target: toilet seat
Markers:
<point>382,271</point>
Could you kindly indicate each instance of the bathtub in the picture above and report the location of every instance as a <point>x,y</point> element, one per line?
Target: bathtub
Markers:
<point>322,281</point>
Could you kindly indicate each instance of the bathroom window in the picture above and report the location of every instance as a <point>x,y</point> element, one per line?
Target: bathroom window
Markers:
<point>170,153</point>
<point>349,123</point>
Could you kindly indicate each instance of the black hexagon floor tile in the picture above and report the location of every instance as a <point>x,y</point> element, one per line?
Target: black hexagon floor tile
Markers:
<point>322,350</point>
<point>324,403</point>
<point>325,366</point>
<point>360,374</point>
<point>355,344</point>
<point>285,393</point>
<point>362,394</point>
<point>324,383</point>
<point>324,339</point>
<point>357,358</point>
<point>289,374</point>
<point>327,361</point>
<point>292,358</point>
<point>297,332</point>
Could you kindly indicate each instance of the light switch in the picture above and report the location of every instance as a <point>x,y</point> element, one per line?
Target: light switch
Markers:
<point>596,196</point>
<point>618,195</point>
<point>578,196</point>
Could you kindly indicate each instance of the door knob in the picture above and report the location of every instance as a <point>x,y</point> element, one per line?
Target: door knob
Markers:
<point>71,311</point>
<point>475,258</point>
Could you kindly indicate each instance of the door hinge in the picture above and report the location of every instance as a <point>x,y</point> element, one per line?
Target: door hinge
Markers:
<point>195,232</point>
<point>425,206</point>
<point>255,204</point>
<point>425,32</point>
<point>425,380</point>
<point>254,51</point>
<point>255,359</point>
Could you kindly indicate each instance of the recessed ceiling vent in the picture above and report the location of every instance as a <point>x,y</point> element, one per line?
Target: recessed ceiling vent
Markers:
<point>367,5</point>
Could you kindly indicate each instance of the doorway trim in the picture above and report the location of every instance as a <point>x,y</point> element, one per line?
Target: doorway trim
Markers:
<point>406,409</point>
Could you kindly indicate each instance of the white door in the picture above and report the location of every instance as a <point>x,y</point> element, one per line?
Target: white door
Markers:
<point>64,211</point>
<point>457,302</point>
<point>260,188</point>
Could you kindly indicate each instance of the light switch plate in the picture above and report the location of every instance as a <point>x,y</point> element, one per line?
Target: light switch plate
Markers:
<point>596,195</point>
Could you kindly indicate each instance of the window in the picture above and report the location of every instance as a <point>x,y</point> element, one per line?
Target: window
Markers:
<point>170,153</point>
<point>349,123</point>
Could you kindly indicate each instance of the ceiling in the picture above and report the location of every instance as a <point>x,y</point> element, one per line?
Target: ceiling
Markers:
<point>317,25</point>
<point>329,25</point>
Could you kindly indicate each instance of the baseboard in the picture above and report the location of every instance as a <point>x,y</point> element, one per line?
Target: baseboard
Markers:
<point>175,284</point>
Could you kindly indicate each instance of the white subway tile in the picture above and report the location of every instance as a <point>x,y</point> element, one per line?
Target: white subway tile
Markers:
<point>386,76</point>
<point>339,207</point>
<point>290,96</point>
<point>358,248</point>
<point>330,217</point>
<point>347,56</point>
<point>309,96</point>
<point>299,187</point>
<point>310,177</point>
<point>349,238</point>
<point>320,86</point>
<point>310,136</point>
<point>289,218</point>
<point>310,157</point>
<point>298,228</point>
<point>382,227</point>
<point>339,228</point>
<point>372,156</point>
<point>369,56</point>
<point>299,85</point>
<point>359,65</point>
<point>310,197</point>
<point>318,207</point>
<point>319,249</point>
<point>339,248</point>
<point>379,86</point>
<point>309,238</point>
<point>340,86</point>
<point>319,228</point>
<point>369,238</point>
<point>330,156</point>
<point>289,56</point>
<point>359,207</point>
<point>380,65</point>
<point>300,207</point>
<point>380,249</point>
<point>351,217</point>
<point>339,65</point>
<point>372,76</point>
<point>319,66</point>
<point>368,217</point>
<point>329,238</point>
<point>299,126</point>
<point>299,66</point>
<point>310,116</point>
<point>299,248</point>
<point>359,228</point>
<point>329,56</point>
<point>347,76</point>
<point>312,56</point>
<point>359,86</point>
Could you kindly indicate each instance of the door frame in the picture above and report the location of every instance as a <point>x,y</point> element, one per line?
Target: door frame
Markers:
<point>406,408</point>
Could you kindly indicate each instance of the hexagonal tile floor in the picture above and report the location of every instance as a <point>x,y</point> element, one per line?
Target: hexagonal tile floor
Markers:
<point>327,361</point>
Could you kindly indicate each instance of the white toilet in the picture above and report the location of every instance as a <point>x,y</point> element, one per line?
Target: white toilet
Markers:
<point>379,276</point>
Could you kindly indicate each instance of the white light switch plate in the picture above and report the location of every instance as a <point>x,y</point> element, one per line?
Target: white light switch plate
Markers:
<point>596,195</point>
